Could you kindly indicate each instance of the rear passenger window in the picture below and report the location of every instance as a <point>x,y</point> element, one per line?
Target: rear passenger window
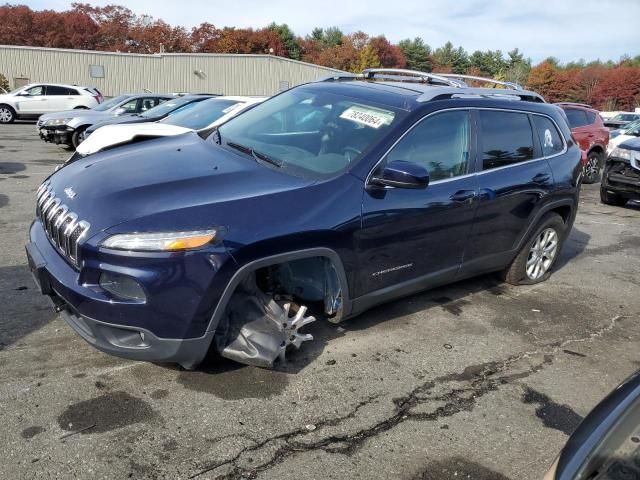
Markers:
<point>55,90</point>
<point>549,137</point>
<point>440,143</point>
<point>577,118</point>
<point>506,139</point>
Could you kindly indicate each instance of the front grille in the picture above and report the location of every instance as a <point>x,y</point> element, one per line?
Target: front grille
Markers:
<point>62,226</point>
<point>39,123</point>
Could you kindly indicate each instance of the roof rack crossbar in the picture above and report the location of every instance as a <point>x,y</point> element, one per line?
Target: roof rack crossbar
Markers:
<point>396,73</point>
<point>511,85</point>
<point>574,104</point>
<point>442,93</point>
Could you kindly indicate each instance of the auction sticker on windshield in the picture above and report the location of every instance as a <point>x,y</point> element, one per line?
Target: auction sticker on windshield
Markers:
<point>368,116</point>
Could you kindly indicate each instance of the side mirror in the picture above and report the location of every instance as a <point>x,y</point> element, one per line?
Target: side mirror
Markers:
<point>402,174</point>
<point>119,111</point>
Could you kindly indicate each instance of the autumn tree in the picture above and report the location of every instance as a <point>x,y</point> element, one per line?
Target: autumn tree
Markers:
<point>619,88</point>
<point>389,55</point>
<point>541,77</point>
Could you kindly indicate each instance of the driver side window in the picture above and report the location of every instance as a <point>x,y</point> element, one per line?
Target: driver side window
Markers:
<point>131,106</point>
<point>439,143</point>
<point>35,91</point>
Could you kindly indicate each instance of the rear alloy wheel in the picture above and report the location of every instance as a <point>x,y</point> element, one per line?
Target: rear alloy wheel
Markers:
<point>542,254</point>
<point>592,168</point>
<point>536,258</point>
<point>7,115</point>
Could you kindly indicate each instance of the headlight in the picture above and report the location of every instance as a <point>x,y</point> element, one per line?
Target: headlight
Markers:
<point>621,153</point>
<point>160,242</point>
<point>58,121</point>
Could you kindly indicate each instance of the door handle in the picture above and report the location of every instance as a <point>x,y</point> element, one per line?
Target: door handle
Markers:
<point>43,99</point>
<point>541,178</point>
<point>463,196</point>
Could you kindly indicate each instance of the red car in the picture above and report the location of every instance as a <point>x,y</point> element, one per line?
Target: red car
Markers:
<point>592,136</point>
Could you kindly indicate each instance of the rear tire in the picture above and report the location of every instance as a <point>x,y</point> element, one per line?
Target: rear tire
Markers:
<point>611,198</point>
<point>536,258</point>
<point>7,114</point>
<point>593,168</point>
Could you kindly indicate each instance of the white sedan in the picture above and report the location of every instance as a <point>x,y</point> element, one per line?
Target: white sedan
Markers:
<point>199,116</point>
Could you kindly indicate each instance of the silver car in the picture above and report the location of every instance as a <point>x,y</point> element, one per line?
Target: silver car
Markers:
<point>66,127</point>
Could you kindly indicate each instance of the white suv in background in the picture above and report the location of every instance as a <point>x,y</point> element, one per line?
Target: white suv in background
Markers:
<point>31,101</point>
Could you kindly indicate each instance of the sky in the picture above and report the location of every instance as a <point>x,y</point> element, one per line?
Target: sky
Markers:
<point>565,29</point>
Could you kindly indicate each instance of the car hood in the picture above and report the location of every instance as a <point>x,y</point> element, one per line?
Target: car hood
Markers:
<point>118,134</point>
<point>82,112</point>
<point>123,119</point>
<point>171,183</point>
<point>615,141</point>
<point>632,143</point>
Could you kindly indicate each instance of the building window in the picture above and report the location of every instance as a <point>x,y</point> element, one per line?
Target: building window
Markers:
<point>96,71</point>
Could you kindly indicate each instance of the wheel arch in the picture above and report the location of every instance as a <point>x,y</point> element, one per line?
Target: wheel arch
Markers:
<point>566,208</point>
<point>598,149</point>
<point>258,263</point>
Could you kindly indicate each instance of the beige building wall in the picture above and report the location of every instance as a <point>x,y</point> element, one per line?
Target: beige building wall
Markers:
<point>229,74</point>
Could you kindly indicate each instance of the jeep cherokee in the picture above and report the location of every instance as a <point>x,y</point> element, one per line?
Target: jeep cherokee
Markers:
<point>326,199</point>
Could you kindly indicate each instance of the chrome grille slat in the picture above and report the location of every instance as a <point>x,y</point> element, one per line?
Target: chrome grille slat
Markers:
<point>62,227</point>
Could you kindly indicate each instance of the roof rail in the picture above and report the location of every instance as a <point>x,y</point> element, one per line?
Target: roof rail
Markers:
<point>511,85</point>
<point>506,94</point>
<point>574,104</point>
<point>408,75</point>
<point>340,77</point>
<point>449,85</point>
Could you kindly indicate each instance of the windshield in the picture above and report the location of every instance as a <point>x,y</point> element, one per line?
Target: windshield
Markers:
<point>630,127</point>
<point>201,114</point>
<point>625,117</point>
<point>112,102</point>
<point>168,107</point>
<point>309,132</point>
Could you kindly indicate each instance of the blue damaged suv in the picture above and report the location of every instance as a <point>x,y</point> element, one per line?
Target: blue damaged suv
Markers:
<point>323,201</point>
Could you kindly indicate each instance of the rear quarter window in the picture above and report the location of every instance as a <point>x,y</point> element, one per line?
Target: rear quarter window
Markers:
<point>550,138</point>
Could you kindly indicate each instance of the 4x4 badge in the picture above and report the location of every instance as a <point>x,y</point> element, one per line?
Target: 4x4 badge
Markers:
<point>70,193</point>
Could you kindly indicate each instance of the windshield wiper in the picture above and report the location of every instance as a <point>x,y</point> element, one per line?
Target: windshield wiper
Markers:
<point>266,158</point>
<point>258,156</point>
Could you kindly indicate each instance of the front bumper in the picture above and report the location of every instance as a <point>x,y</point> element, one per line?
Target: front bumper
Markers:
<point>59,135</point>
<point>137,343</point>
<point>622,179</point>
<point>138,331</point>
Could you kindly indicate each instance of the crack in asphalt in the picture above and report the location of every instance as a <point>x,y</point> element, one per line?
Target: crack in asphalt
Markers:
<point>458,392</point>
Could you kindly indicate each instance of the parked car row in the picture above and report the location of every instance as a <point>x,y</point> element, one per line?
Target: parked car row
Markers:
<point>67,126</point>
<point>621,119</point>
